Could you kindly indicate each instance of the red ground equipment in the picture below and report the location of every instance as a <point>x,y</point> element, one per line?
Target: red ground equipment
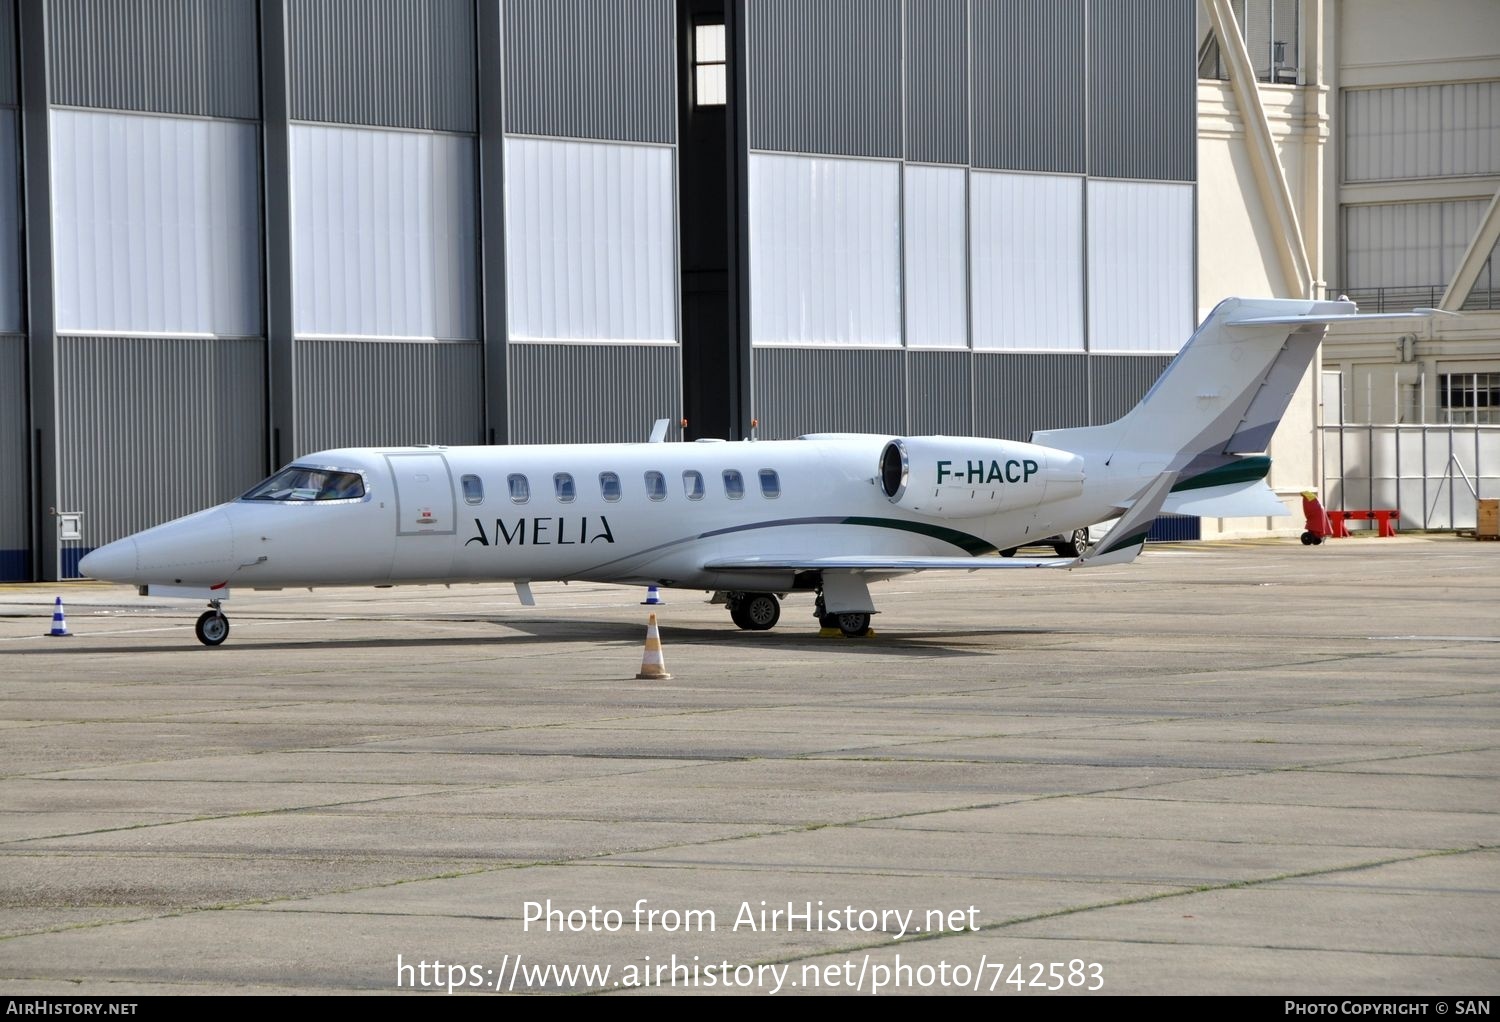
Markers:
<point>1318,527</point>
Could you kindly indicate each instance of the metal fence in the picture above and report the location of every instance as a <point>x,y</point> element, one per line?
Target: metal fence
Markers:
<point>1433,475</point>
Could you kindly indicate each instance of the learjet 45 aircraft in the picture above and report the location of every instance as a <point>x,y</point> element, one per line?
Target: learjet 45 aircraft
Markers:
<point>753,521</point>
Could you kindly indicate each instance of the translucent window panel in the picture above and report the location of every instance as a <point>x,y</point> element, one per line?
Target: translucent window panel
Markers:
<point>590,239</point>
<point>824,251</point>
<point>1408,244</point>
<point>156,224</point>
<point>933,233</point>
<point>1140,265</point>
<point>1422,131</point>
<point>383,235</point>
<point>10,226</point>
<point>1027,241</point>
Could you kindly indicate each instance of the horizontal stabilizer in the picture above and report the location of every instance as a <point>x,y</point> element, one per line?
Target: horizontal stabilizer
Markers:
<point>1234,500</point>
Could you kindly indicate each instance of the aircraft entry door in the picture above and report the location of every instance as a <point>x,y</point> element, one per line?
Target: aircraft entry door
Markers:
<point>425,522</point>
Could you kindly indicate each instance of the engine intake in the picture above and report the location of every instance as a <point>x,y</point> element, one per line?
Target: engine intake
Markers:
<point>964,477</point>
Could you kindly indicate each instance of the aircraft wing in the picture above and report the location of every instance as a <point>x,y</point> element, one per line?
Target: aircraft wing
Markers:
<point>877,563</point>
<point>1124,542</point>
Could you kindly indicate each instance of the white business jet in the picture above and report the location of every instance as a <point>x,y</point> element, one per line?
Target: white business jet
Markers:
<point>753,521</point>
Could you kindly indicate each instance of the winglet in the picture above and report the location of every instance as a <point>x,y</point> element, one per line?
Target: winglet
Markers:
<point>1128,536</point>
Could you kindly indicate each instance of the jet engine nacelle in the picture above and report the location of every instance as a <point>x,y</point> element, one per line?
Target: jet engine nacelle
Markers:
<point>964,477</point>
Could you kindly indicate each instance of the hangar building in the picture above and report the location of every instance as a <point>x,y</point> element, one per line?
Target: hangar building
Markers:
<point>245,230</point>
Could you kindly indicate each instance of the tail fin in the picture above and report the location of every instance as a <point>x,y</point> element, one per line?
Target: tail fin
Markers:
<point>1223,395</point>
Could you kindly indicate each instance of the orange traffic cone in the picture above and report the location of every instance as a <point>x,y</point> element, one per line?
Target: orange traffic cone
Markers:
<point>653,667</point>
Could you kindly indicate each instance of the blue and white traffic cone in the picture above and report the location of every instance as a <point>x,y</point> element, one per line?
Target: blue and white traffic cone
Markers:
<point>59,622</point>
<point>653,598</point>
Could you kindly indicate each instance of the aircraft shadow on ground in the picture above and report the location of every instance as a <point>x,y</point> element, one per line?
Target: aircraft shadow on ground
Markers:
<point>552,630</point>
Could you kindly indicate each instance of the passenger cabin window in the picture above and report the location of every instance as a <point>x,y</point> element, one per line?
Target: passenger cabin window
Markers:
<point>770,484</point>
<point>520,489</point>
<point>734,484</point>
<point>562,483</point>
<point>656,486</point>
<point>609,486</point>
<point>473,489</point>
<point>301,483</point>
<point>692,484</point>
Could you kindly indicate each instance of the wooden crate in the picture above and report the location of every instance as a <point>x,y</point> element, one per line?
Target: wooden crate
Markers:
<point>1489,519</point>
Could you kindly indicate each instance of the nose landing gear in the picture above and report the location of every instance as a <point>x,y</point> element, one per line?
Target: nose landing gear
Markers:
<point>212,627</point>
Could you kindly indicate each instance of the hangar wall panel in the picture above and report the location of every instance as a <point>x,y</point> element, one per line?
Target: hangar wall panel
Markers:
<point>167,56</point>
<point>1141,266</point>
<point>940,386</point>
<point>1119,381</point>
<point>1422,131</point>
<point>1027,240</point>
<point>11,285</point>
<point>15,458</point>
<point>9,95</point>
<point>820,390</point>
<point>591,68</point>
<point>824,251</point>
<point>1143,90</point>
<point>613,392</point>
<point>1030,103</point>
<point>1015,394</point>
<point>1407,243</point>
<point>936,283</point>
<point>383,236</point>
<point>937,81</point>
<point>590,232</point>
<point>185,422</point>
<point>385,393</point>
<point>400,63</point>
<point>825,77</point>
<point>156,224</point>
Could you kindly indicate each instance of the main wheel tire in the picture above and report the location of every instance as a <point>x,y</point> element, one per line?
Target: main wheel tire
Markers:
<point>1076,546</point>
<point>853,625</point>
<point>758,612</point>
<point>1308,539</point>
<point>212,628</point>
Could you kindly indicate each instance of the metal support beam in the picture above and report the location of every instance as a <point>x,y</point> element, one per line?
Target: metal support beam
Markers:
<point>41,324</point>
<point>276,179</point>
<point>1480,247</point>
<point>491,107</point>
<point>1270,179</point>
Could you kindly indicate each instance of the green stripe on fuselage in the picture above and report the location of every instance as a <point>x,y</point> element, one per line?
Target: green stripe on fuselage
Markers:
<point>1241,470</point>
<point>972,545</point>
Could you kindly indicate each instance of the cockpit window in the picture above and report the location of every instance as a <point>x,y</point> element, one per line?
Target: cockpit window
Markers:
<point>299,482</point>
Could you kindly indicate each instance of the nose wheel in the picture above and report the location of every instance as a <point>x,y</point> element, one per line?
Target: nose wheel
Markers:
<point>212,627</point>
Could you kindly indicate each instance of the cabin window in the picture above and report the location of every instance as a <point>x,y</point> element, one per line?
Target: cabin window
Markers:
<point>734,484</point>
<point>473,489</point>
<point>562,483</point>
<point>656,486</point>
<point>300,483</point>
<point>520,489</point>
<point>692,484</point>
<point>609,486</point>
<point>770,484</point>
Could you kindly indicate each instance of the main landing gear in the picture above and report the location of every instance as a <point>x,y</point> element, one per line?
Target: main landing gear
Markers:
<point>754,612</point>
<point>759,612</point>
<point>212,627</point>
<point>854,625</point>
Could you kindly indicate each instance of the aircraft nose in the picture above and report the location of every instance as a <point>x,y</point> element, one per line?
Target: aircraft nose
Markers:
<point>113,562</point>
<point>195,549</point>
